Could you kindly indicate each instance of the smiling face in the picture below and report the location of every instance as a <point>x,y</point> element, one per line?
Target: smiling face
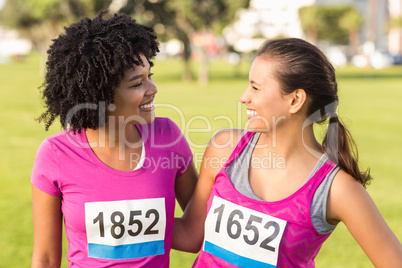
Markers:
<point>133,98</point>
<point>266,105</point>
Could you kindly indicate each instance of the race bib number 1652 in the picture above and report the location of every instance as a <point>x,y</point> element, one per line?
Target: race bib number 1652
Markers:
<point>242,236</point>
<point>125,229</point>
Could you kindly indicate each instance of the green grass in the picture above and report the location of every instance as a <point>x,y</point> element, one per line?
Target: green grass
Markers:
<point>369,106</point>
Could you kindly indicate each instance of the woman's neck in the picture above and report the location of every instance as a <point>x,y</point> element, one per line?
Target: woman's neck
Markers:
<point>291,140</point>
<point>115,137</point>
<point>118,148</point>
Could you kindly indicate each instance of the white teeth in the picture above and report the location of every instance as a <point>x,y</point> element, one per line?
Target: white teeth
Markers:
<point>147,106</point>
<point>251,113</point>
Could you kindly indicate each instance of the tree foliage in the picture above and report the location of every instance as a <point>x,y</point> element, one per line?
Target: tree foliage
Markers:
<point>331,23</point>
<point>181,19</point>
<point>41,20</point>
<point>395,23</point>
<point>309,24</point>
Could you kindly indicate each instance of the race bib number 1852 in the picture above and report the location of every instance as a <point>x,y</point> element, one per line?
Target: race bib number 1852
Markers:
<point>125,229</point>
<point>242,236</point>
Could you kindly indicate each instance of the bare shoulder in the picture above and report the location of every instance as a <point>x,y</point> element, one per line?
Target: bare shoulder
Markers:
<point>344,180</point>
<point>350,203</point>
<point>219,149</point>
<point>346,194</point>
<point>225,140</point>
<point>344,184</point>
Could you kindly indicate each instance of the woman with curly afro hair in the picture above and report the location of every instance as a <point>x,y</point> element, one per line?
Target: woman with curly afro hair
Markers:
<point>115,171</point>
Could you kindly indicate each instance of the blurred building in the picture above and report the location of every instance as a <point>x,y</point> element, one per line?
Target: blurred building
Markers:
<point>269,19</point>
<point>265,19</point>
<point>278,18</point>
<point>375,14</point>
<point>395,35</point>
<point>12,46</point>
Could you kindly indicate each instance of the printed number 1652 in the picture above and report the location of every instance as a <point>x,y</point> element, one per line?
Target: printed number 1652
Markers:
<point>234,227</point>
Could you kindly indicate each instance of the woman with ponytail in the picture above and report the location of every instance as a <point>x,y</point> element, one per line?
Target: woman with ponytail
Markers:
<point>272,194</point>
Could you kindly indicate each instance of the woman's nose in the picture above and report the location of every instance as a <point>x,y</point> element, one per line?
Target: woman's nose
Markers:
<point>152,89</point>
<point>244,98</point>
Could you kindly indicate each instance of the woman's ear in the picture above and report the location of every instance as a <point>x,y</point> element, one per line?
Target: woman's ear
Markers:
<point>299,97</point>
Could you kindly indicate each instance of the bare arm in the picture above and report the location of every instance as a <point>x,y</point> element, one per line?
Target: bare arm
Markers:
<point>350,203</point>
<point>188,231</point>
<point>184,186</point>
<point>47,219</point>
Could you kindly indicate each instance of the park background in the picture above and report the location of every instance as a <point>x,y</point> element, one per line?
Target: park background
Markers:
<point>369,105</point>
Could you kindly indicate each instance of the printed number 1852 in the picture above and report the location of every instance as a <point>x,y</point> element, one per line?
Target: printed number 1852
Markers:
<point>118,228</point>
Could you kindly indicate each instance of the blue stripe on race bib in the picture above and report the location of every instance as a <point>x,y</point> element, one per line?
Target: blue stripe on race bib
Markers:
<point>130,251</point>
<point>232,258</point>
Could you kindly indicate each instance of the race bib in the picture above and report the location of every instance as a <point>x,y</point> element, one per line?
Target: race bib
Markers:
<point>242,236</point>
<point>125,229</point>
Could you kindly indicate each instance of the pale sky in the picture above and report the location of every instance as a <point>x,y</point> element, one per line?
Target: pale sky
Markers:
<point>2,3</point>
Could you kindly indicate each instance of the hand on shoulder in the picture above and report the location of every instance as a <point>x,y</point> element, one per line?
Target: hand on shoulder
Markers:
<point>219,149</point>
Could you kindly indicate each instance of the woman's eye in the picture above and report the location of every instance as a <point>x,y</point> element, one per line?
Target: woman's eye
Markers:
<point>140,83</point>
<point>137,85</point>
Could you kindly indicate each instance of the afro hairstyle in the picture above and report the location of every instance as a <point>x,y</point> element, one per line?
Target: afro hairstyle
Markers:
<point>87,63</point>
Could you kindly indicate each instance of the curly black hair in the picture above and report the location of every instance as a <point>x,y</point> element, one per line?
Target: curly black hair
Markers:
<point>87,63</point>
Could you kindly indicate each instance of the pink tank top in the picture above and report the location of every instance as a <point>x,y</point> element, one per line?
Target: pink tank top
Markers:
<point>243,232</point>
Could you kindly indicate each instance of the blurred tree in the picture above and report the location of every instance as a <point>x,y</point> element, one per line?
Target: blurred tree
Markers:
<point>352,22</point>
<point>41,21</point>
<point>207,16</point>
<point>308,19</point>
<point>336,24</point>
<point>330,21</point>
<point>182,19</point>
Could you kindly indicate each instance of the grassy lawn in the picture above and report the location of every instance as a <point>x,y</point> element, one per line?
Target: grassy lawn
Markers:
<point>369,105</point>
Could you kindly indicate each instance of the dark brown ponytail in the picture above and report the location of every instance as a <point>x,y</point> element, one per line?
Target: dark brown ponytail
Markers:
<point>341,149</point>
<point>302,65</point>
